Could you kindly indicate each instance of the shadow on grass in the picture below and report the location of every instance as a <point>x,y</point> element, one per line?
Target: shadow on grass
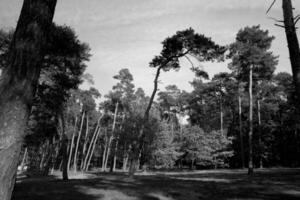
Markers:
<point>221,185</point>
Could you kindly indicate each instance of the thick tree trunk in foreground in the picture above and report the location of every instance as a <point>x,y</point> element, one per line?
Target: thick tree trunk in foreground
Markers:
<point>241,133</point>
<point>18,84</point>
<point>250,164</point>
<point>292,40</point>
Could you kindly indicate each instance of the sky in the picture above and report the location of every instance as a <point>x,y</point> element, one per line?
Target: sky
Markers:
<point>128,33</point>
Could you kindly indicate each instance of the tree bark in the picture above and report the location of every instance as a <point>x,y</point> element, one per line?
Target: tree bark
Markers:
<point>250,164</point>
<point>241,132</point>
<point>292,40</point>
<point>77,144</point>
<point>18,84</point>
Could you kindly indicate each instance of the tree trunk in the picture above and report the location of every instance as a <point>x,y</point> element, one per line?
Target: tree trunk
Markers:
<point>93,148</point>
<point>104,154</point>
<point>241,132</point>
<point>85,142</point>
<point>18,84</point>
<point>44,152</point>
<point>108,151</point>
<point>24,159</point>
<point>89,149</point>
<point>91,143</point>
<point>125,158</point>
<point>250,164</point>
<point>221,115</point>
<point>292,40</point>
<point>49,158</point>
<point>77,144</point>
<point>115,156</point>
<point>259,136</point>
<point>64,147</point>
<point>112,135</point>
<point>72,144</point>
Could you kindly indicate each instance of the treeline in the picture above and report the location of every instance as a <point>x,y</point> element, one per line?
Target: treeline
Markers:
<point>208,127</point>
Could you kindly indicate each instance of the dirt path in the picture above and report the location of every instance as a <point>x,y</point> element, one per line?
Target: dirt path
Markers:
<point>219,184</point>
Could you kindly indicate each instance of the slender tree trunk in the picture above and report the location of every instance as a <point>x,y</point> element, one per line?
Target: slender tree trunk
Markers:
<point>116,147</point>
<point>91,143</point>
<point>221,115</point>
<point>44,154</point>
<point>24,159</point>
<point>89,149</point>
<point>241,132</point>
<point>108,151</point>
<point>125,161</point>
<point>259,136</point>
<point>112,136</point>
<point>77,144</point>
<point>104,154</point>
<point>250,165</point>
<point>18,84</point>
<point>292,40</point>
<point>72,143</point>
<point>115,156</point>
<point>135,150</point>
<point>85,142</point>
<point>93,148</point>
<point>64,147</point>
<point>49,158</point>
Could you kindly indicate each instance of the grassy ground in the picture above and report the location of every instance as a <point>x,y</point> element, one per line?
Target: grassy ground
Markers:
<point>215,184</point>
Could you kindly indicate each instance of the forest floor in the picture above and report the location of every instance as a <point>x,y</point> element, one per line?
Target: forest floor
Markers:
<point>187,185</point>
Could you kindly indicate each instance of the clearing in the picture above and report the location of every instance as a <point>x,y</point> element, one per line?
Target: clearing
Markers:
<point>185,185</point>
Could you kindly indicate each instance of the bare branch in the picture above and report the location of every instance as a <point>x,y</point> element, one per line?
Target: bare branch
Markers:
<point>190,61</point>
<point>297,19</point>
<point>281,26</point>
<point>274,1</point>
<point>276,20</point>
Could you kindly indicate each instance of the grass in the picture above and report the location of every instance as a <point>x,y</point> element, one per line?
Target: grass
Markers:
<point>195,185</point>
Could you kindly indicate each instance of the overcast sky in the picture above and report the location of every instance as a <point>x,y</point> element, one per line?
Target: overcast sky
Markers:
<point>128,33</point>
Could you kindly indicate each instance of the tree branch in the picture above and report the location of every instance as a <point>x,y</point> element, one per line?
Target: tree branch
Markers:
<point>274,1</point>
<point>281,26</point>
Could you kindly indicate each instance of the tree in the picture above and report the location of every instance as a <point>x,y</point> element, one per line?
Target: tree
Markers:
<point>251,60</point>
<point>18,84</point>
<point>292,40</point>
<point>182,44</point>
